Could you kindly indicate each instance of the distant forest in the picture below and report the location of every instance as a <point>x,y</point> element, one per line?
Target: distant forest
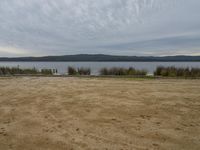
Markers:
<point>100,57</point>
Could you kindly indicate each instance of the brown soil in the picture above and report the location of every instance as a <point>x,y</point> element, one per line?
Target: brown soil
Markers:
<point>38,113</point>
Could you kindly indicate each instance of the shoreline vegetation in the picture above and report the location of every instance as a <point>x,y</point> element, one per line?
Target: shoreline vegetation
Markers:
<point>27,71</point>
<point>177,72</point>
<point>160,72</point>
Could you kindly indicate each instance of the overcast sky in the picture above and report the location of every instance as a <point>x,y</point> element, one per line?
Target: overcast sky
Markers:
<point>119,27</point>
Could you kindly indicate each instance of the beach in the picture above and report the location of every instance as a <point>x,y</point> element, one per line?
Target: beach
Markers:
<point>76,113</point>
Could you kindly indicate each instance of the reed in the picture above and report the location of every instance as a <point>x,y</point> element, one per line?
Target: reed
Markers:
<point>79,71</point>
<point>27,71</point>
<point>177,72</point>
<point>84,71</point>
<point>48,71</point>
<point>119,71</point>
<point>72,71</point>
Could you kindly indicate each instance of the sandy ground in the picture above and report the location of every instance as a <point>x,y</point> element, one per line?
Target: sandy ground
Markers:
<point>99,114</point>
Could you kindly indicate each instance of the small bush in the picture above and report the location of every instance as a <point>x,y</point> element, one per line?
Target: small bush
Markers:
<point>79,71</point>
<point>84,71</point>
<point>177,72</point>
<point>122,71</point>
<point>104,71</point>
<point>72,71</point>
<point>28,71</point>
<point>195,72</point>
<point>47,71</point>
<point>133,71</point>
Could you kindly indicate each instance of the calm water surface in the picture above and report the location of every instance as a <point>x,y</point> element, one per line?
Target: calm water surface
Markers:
<point>96,66</point>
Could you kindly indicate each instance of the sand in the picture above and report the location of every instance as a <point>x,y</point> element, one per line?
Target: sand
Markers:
<point>46,113</point>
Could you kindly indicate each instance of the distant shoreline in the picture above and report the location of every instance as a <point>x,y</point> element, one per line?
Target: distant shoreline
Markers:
<point>102,58</point>
<point>94,61</point>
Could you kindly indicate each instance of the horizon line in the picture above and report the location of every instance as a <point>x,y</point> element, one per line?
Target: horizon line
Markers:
<point>187,55</point>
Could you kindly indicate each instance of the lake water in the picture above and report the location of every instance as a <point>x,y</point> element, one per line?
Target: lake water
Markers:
<point>96,66</point>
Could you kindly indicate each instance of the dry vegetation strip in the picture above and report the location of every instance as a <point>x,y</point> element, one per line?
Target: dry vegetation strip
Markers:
<point>87,114</point>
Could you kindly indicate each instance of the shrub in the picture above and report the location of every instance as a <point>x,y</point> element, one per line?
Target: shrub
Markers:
<point>72,71</point>
<point>122,71</point>
<point>195,72</point>
<point>79,71</point>
<point>177,72</point>
<point>30,71</point>
<point>133,71</point>
<point>9,71</point>
<point>47,71</point>
<point>104,71</point>
<point>84,71</point>
<point>17,70</point>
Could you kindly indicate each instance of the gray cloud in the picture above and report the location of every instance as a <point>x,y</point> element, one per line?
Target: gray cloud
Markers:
<point>128,27</point>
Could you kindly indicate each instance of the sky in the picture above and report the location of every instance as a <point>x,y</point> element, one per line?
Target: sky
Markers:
<point>116,27</point>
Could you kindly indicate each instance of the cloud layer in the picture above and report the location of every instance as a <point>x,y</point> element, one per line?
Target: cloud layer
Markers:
<point>124,27</point>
